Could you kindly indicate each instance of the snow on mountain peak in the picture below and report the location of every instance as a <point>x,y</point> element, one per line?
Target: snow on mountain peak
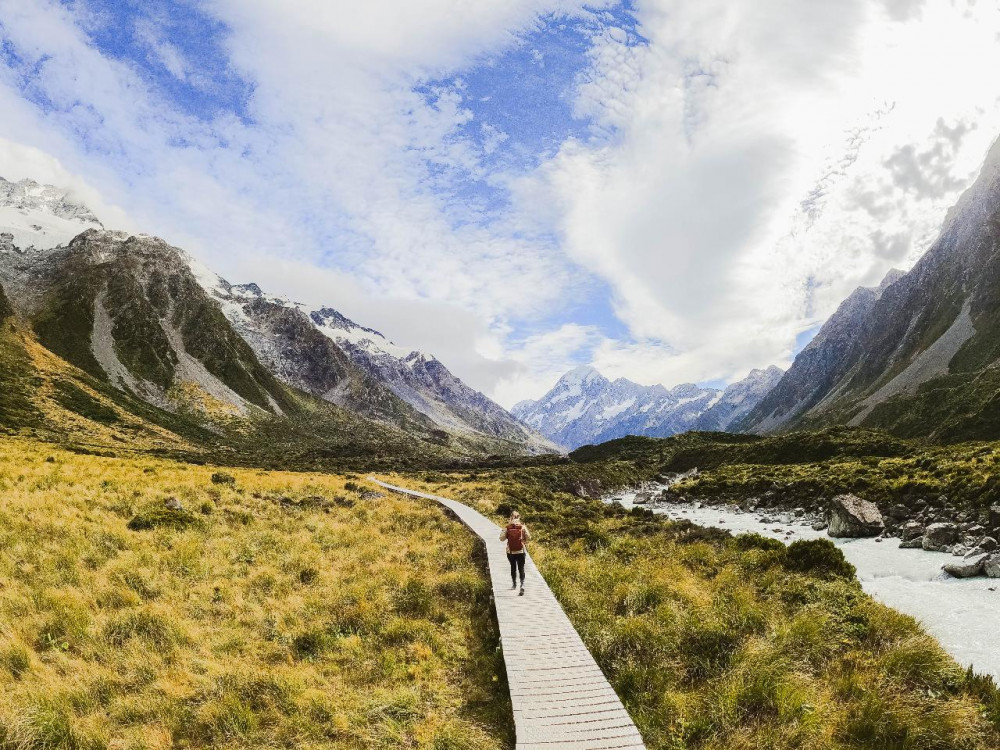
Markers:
<point>581,374</point>
<point>40,217</point>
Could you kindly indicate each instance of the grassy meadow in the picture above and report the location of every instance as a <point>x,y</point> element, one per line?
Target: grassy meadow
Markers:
<point>720,642</point>
<point>274,610</point>
<point>299,610</point>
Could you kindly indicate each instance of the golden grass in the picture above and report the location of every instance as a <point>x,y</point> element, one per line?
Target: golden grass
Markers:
<point>287,612</point>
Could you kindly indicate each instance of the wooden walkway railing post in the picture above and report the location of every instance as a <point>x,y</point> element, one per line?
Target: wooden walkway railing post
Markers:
<point>560,697</point>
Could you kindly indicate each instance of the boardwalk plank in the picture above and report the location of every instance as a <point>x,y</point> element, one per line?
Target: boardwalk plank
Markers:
<point>560,697</point>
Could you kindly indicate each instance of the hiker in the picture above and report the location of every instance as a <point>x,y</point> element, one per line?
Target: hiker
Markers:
<point>516,534</point>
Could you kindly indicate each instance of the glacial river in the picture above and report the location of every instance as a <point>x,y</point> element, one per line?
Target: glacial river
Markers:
<point>963,614</point>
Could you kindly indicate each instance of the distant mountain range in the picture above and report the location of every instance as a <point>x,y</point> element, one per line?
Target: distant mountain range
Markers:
<point>134,319</point>
<point>586,408</point>
<point>918,356</point>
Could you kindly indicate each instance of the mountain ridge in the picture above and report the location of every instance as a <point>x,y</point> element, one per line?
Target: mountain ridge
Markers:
<point>584,407</point>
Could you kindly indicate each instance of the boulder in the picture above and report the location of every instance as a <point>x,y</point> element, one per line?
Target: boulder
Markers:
<point>917,543</point>
<point>992,566</point>
<point>938,536</point>
<point>850,516</point>
<point>987,544</point>
<point>641,498</point>
<point>172,503</point>
<point>967,566</point>
<point>911,530</point>
<point>995,517</point>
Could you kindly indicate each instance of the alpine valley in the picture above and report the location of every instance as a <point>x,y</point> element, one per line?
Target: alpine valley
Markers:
<point>119,340</point>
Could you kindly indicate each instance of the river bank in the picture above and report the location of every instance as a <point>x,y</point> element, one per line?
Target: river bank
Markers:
<point>963,614</point>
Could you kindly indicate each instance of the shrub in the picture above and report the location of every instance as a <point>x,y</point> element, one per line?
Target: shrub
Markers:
<point>310,644</point>
<point>819,557</point>
<point>221,477</point>
<point>155,518</point>
<point>148,626</point>
<point>746,542</point>
<point>308,575</point>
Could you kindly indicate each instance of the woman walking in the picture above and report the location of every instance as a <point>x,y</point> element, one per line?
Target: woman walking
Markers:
<point>516,534</point>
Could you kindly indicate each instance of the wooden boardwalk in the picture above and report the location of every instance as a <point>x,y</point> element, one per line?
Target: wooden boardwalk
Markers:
<point>561,699</point>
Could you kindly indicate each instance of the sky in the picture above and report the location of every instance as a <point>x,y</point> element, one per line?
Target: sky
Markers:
<point>669,190</point>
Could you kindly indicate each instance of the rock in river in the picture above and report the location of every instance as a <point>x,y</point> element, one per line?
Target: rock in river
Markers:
<point>992,566</point>
<point>850,516</point>
<point>937,536</point>
<point>967,566</point>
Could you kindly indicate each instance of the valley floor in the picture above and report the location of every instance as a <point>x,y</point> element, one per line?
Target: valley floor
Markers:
<point>910,580</point>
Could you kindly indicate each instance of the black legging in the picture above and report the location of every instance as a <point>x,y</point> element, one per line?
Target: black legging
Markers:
<point>516,566</point>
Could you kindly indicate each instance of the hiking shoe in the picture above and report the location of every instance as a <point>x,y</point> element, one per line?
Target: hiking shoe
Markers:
<point>522,591</point>
<point>514,586</point>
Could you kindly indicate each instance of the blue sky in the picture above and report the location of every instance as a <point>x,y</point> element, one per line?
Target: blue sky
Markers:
<point>672,191</point>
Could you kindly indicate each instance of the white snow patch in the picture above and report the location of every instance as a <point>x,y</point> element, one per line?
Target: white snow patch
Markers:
<point>32,228</point>
<point>613,410</point>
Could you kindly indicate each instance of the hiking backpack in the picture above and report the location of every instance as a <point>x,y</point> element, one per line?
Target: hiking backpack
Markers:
<point>515,542</point>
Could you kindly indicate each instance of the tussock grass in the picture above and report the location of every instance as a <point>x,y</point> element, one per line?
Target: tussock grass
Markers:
<point>281,610</point>
<point>719,642</point>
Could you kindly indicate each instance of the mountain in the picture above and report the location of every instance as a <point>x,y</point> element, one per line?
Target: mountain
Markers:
<point>820,365</point>
<point>919,355</point>
<point>738,400</point>
<point>323,352</point>
<point>586,408</point>
<point>134,320</point>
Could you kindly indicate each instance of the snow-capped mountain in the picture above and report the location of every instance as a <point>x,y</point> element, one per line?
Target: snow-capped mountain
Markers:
<point>147,319</point>
<point>39,217</point>
<point>324,352</point>
<point>585,408</point>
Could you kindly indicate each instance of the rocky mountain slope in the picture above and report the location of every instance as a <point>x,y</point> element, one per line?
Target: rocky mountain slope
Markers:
<point>822,362</point>
<point>919,355</point>
<point>586,408</point>
<point>325,353</point>
<point>142,321</point>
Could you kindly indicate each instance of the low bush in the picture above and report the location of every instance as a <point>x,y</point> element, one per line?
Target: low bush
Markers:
<point>157,518</point>
<point>819,557</point>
